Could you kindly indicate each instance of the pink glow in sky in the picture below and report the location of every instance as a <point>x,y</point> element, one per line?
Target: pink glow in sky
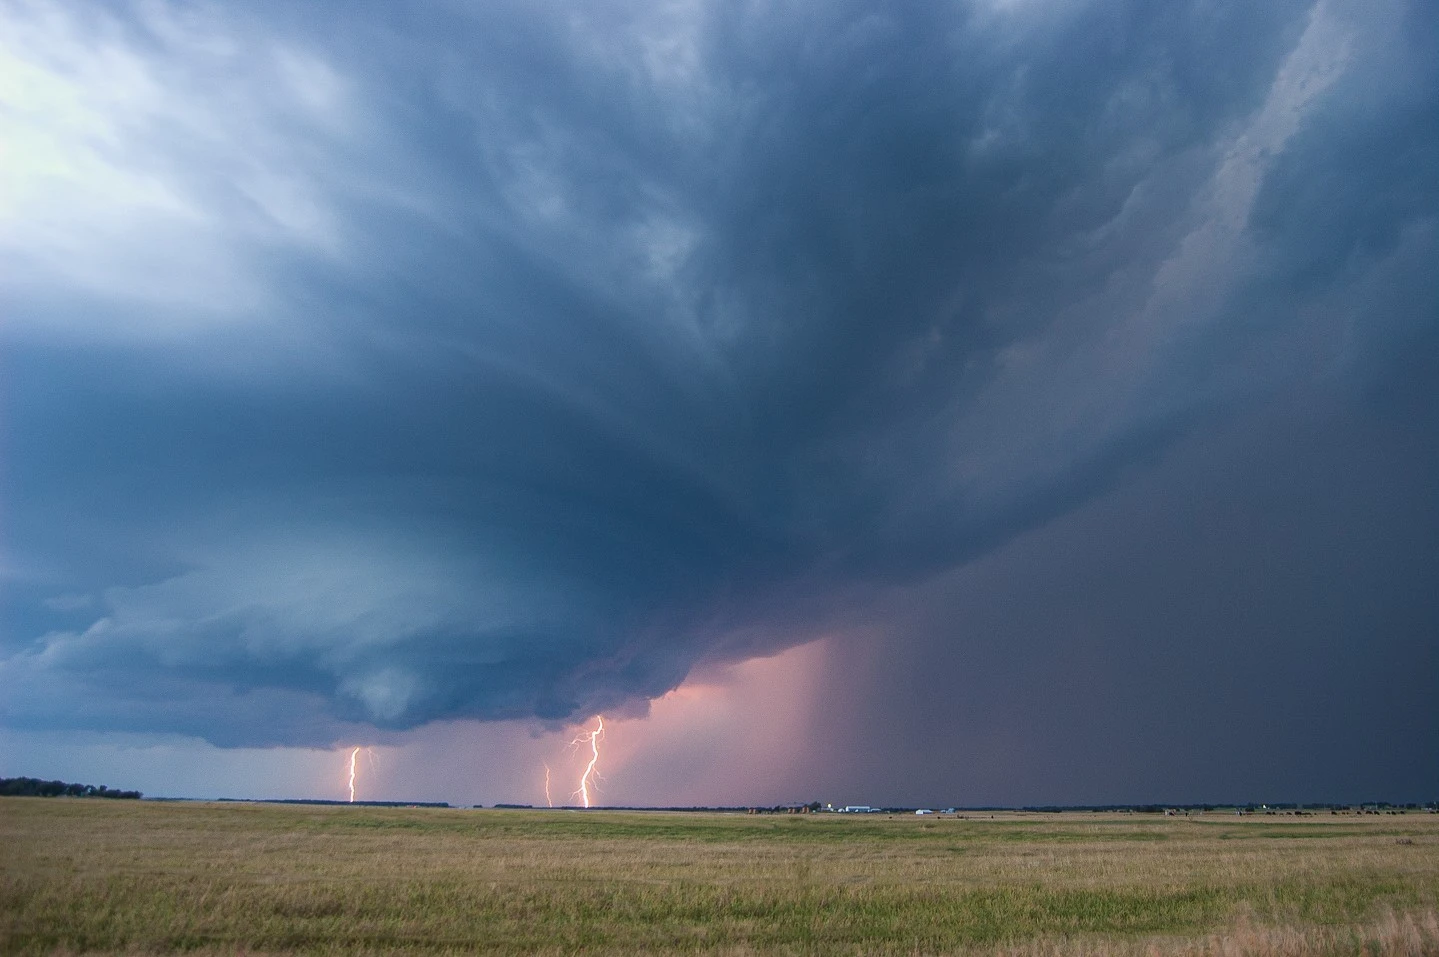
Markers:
<point>729,735</point>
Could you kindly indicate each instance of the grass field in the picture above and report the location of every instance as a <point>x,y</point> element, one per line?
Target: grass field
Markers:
<point>80,875</point>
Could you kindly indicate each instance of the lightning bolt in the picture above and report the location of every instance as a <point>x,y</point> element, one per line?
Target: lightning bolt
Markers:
<point>548,802</point>
<point>354,766</point>
<point>353,756</point>
<point>592,738</point>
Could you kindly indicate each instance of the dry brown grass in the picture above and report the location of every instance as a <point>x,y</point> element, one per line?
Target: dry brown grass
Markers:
<point>1410,935</point>
<point>127,877</point>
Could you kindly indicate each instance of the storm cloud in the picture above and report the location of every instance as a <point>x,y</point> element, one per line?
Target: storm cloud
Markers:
<point>507,361</point>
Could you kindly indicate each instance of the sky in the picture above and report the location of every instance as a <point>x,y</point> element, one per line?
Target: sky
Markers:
<point>979,402</point>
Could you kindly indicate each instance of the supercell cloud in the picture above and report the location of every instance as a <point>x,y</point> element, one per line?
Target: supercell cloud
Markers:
<point>365,369</point>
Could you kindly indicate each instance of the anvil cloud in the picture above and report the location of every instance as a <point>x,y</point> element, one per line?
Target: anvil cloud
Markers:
<point>367,368</point>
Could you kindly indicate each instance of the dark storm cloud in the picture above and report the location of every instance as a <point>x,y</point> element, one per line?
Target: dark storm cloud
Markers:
<point>507,361</point>
<point>1253,617</point>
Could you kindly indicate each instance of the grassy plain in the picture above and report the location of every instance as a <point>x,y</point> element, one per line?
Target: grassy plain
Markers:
<point>84,875</point>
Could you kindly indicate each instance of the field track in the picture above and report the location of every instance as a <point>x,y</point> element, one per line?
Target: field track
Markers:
<point>88,875</point>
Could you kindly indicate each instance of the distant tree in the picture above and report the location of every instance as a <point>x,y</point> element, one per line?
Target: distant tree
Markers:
<point>34,787</point>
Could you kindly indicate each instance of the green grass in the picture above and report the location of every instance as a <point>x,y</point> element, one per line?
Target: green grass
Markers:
<point>85,875</point>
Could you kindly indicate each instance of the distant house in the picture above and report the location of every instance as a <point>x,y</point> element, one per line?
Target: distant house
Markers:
<point>924,810</point>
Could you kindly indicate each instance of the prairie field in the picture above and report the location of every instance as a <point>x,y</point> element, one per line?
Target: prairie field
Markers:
<point>130,877</point>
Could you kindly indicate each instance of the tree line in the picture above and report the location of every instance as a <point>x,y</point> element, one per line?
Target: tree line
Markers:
<point>34,787</point>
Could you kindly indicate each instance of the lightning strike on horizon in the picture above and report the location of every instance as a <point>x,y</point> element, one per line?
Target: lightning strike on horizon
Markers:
<point>353,756</point>
<point>548,802</point>
<point>592,738</point>
<point>354,762</point>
